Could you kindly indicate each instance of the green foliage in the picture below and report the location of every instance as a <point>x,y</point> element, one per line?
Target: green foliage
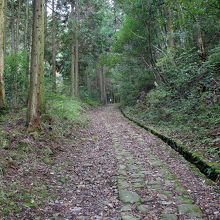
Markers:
<point>87,99</point>
<point>125,35</point>
<point>110,59</point>
<point>4,143</point>
<point>12,202</point>
<point>16,79</point>
<point>187,106</point>
<point>64,107</point>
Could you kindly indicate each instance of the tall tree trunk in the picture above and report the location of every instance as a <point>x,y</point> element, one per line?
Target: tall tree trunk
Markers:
<point>16,42</point>
<point>77,51</point>
<point>12,36</point>
<point>41,68</point>
<point>171,41</point>
<point>27,41</point>
<point>103,85</point>
<point>88,81</point>
<point>2,28</point>
<point>26,25</point>
<point>35,102</point>
<point>46,28</point>
<point>54,46</point>
<point>183,40</point>
<point>72,73</point>
<point>200,42</point>
<point>5,23</point>
<point>17,22</point>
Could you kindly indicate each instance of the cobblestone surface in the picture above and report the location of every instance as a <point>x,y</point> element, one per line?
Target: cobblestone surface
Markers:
<point>120,171</point>
<point>149,187</point>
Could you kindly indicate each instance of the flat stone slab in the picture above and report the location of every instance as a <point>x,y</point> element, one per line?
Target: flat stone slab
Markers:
<point>168,193</point>
<point>123,184</point>
<point>122,167</point>
<point>129,217</point>
<point>155,163</point>
<point>184,199</point>
<point>126,208</point>
<point>122,172</point>
<point>180,189</point>
<point>153,182</point>
<point>129,197</point>
<point>189,209</point>
<point>168,217</point>
<point>143,208</point>
<point>166,202</point>
<point>155,187</point>
<point>139,185</point>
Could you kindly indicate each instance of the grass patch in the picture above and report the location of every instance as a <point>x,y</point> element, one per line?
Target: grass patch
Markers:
<point>64,107</point>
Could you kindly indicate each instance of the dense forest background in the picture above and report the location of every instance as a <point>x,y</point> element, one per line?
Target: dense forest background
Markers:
<point>160,59</point>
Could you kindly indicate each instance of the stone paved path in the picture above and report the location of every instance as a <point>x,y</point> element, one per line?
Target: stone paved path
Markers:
<point>153,181</point>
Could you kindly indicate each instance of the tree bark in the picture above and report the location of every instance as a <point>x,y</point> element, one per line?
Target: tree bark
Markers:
<point>18,18</point>
<point>171,41</point>
<point>41,68</point>
<point>27,41</point>
<point>72,73</point>
<point>77,51</point>
<point>5,23</point>
<point>2,28</point>
<point>36,101</point>
<point>15,49</point>
<point>200,42</point>
<point>54,46</point>
<point>102,86</point>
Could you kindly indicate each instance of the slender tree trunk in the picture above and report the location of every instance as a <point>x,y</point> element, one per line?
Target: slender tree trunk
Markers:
<point>2,28</point>
<point>171,41</point>
<point>26,25</point>
<point>72,73</point>
<point>5,23</point>
<point>77,51</point>
<point>13,51</point>
<point>35,102</point>
<point>88,82</point>
<point>102,85</point>
<point>163,29</point>
<point>28,35</point>
<point>18,18</point>
<point>45,18</point>
<point>16,42</point>
<point>12,36</point>
<point>27,41</point>
<point>200,42</point>
<point>183,39</point>
<point>54,46</point>
<point>42,54</point>
<point>46,28</point>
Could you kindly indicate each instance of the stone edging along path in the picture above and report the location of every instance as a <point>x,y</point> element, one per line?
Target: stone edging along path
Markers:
<point>211,172</point>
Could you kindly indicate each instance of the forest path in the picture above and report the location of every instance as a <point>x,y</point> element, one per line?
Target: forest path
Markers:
<point>153,181</point>
<point>120,171</point>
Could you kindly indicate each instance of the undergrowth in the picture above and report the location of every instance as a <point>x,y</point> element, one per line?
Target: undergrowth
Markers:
<point>64,107</point>
<point>187,108</point>
<point>26,159</point>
